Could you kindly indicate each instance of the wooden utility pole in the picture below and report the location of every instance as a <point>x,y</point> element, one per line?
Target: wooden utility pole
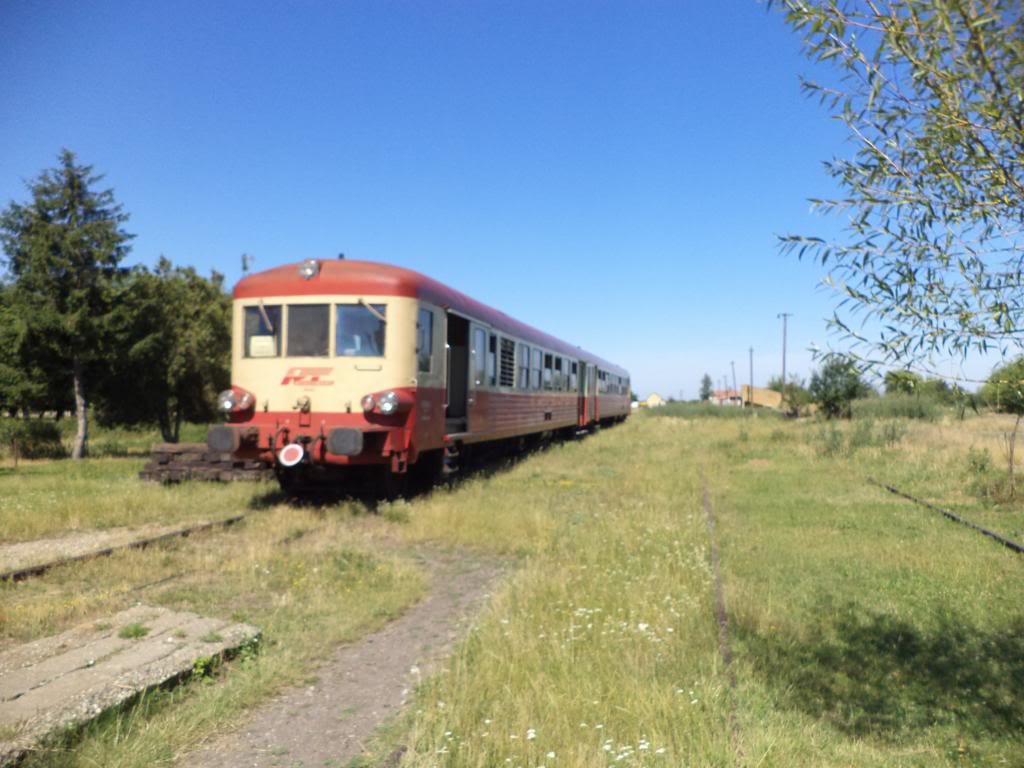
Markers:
<point>785,316</point>
<point>751,393</point>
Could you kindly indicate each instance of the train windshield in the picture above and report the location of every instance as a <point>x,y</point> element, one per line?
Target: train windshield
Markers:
<point>359,330</point>
<point>263,331</point>
<point>308,329</point>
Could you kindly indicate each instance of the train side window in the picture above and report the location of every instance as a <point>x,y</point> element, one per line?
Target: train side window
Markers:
<point>523,353</point>
<point>479,352</point>
<point>424,340</point>
<point>263,331</point>
<point>548,372</point>
<point>507,361</point>
<point>559,382</point>
<point>535,368</point>
<point>307,330</point>
<point>492,361</point>
<point>573,374</point>
<point>359,330</point>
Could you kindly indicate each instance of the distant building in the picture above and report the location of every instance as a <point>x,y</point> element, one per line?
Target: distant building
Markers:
<point>726,397</point>
<point>761,397</point>
<point>654,400</point>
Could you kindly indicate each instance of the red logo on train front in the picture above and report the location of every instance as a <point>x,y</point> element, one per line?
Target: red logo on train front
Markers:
<point>307,377</point>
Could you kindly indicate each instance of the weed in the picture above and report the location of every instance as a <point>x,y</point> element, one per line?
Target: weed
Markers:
<point>212,637</point>
<point>133,631</point>
<point>893,432</point>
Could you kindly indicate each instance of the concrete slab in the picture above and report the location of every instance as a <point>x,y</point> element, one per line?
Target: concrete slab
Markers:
<point>28,558</point>
<point>66,680</point>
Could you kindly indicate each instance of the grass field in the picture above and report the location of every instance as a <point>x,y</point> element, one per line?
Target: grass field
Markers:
<point>865,630</point>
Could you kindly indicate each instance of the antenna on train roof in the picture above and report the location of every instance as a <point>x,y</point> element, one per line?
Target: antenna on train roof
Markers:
<point>341,256</point>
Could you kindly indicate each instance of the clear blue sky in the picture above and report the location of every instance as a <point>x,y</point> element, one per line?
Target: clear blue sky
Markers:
<point>612,172</point>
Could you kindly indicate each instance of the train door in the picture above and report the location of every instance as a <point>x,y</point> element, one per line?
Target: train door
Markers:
<point>476,410</point>
<point>457,349</point>
<point>582,414</point>
<point>593,410</point>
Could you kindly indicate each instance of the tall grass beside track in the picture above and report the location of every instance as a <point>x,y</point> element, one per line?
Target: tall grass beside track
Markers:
<point>866,631</point>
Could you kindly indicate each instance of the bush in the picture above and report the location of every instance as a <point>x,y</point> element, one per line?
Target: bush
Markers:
<point>707,410</point>
<point>36,439</point>
<point>896,407</point>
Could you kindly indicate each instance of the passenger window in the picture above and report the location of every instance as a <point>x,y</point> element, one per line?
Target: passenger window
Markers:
<point>548,373</point>
<point>524,367</point>
<point>359,330</point>
<point>263,331</point>
<point>479,347</point>
<point>573,373</point>
<point>424,340</point>
<point>559,378</point>
<point>535,368</point>
<point>492,361</point>
<point>307,330</point>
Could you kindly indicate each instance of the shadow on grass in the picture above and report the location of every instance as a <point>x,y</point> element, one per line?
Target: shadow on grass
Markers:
<point>878,675</point>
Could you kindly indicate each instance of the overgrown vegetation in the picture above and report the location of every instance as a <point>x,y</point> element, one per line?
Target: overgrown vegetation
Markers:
<point>78,332</point>
<point>853,644</point>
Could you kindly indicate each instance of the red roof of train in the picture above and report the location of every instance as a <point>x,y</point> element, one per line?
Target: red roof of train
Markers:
<point>374,279</point>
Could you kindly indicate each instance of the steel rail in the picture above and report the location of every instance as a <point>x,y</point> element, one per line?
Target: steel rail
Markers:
<point>1008,543</point>
<point>18,574</point>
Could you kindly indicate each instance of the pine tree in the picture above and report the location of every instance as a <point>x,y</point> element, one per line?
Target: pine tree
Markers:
<point>63,250</point>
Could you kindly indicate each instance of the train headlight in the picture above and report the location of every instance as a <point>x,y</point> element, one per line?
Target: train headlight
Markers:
<point>227,400</point>
<point>368,403</point>
<point>310,268</point>
<point>388,403</point>
<point>235,400</point>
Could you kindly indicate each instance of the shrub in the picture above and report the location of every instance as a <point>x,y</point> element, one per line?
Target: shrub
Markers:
<point>896,407</point>
<point>36,439</point>
<point>695,410</point>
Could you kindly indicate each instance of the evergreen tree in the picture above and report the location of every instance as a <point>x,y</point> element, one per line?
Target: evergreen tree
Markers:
<point>63,249</point>
<point>706,388</point>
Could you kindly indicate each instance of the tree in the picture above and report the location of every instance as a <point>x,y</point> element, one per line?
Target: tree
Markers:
<point>1004,391</point>
<point>62,250</point>
<point>795,397</point>
<point>902,382</point>
<point>933,195</point>
<point>170,337</point>
<point>835,385</point>
<point>706,388</point>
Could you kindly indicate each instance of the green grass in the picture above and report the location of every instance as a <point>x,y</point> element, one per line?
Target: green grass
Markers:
<point>866,630</point>
<point>42,498</point>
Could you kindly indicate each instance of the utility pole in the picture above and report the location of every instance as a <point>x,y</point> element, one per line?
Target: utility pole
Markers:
<point>751,393</point>
<point>785,316</point>
<point>736,391</point>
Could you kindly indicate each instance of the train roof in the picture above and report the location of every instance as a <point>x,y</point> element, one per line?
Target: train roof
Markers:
<point>370,278</point>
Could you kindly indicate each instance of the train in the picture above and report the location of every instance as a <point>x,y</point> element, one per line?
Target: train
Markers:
<point>346,370</point>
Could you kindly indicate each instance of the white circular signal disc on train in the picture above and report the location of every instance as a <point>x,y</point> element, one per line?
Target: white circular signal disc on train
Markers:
<point>290,455</point>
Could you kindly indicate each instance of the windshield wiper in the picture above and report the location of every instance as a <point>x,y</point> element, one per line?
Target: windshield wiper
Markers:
<point>374,311</point>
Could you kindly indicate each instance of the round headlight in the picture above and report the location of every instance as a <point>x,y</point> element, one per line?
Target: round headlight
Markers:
<point>368,403</point>
<point>388,403</point>
<point>227,400</point>
<point>310,268</point>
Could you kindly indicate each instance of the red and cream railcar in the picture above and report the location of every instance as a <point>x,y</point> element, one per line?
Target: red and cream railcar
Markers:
<point>354,364</point>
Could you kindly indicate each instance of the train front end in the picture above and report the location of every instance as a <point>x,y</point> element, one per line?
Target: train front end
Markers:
<point>326,378</point>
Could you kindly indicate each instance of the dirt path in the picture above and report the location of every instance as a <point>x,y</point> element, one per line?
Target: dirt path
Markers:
<point>362,685</point>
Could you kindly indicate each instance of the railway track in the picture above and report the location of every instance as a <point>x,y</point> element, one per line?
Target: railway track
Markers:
<point>1008,543</point>
<point>35,569</point>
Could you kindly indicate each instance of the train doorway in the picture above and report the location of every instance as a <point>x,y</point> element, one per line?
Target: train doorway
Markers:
<point>582,415</point>
<point>457,372</point>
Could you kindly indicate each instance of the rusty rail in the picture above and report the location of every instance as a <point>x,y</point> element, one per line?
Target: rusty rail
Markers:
<point>1008,543</point>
